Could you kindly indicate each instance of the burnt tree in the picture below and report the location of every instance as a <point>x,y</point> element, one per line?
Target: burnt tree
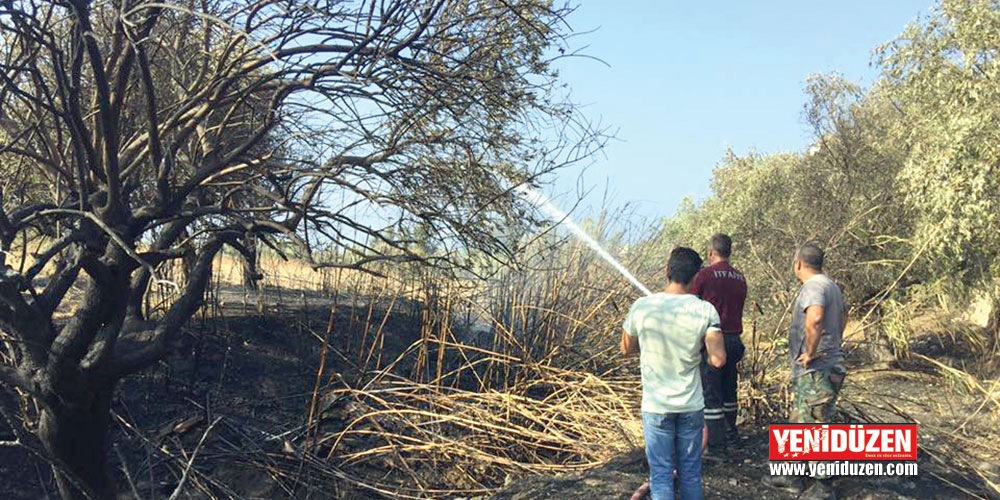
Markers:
<point>134,133</point>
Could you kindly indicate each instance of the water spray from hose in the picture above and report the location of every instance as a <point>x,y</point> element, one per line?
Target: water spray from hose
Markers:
<point>558,216</point>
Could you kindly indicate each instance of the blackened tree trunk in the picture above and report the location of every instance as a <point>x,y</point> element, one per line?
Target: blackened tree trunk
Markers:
<point>76,434</point>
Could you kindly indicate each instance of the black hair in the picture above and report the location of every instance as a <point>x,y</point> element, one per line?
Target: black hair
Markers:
<point>684,263</point>
<point>811,256</point>
<point>722,244</point>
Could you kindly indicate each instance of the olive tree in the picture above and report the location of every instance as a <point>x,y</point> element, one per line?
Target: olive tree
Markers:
<point>841,192</point>
<point>943,73</point>
<point>136,132</point>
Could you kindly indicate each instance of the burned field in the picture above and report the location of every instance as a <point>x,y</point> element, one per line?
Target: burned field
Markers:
<point>253,406</point>
<point>286,249</point>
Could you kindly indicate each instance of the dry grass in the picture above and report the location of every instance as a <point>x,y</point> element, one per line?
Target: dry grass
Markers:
<point>533,384</point>
<point>291,274</point>
<point>545,393</point>
<point>446,440</point>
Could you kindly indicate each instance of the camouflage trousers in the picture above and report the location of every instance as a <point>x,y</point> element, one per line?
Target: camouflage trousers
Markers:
<point>815,396</point>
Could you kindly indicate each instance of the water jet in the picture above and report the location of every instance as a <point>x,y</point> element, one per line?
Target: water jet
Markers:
<point>559,217</point>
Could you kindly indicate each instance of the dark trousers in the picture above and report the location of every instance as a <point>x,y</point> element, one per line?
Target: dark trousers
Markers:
<point>720,387</point>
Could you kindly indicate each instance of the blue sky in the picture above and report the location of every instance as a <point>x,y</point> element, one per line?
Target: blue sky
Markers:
<point>688,79</point>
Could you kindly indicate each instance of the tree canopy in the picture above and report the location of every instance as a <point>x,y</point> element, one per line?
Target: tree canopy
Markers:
<point>134,133</point>
<point>900,183</point>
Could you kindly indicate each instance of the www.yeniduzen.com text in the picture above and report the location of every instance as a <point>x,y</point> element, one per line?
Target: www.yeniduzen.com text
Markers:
<point>843,469</point>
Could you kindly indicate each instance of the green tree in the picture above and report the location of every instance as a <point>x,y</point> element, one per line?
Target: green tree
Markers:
<point>943,74</point>
<point>842,193</point>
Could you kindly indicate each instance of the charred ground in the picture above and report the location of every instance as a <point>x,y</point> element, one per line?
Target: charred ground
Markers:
<point>240,389</point>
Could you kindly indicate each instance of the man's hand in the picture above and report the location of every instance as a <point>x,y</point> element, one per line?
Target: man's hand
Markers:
<point>806,358</point>
<point>629,345</point>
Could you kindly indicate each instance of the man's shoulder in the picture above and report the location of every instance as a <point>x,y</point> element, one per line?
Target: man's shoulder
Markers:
<point>705,271</point>
<point>637,304</point>
<point>821,281</point>
<point>701,305</point>
<point>646,301</point>
<point>735,269</point>
<point>709,271</point>
<point>650,299</point>
<point>702,275</point>
<point>831,282</point>
<point>833,288</point>
<point>819,286</point>
<point>681,301</point>
<point>723,269</point>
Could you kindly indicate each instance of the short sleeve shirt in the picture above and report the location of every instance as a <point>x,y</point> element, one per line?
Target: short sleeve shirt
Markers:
<point>671,331</point>
<point>819,290</point>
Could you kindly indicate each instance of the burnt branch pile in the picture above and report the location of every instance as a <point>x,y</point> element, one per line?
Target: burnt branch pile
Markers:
<point>441,440</point>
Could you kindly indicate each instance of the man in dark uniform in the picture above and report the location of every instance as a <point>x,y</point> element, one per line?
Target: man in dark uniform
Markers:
<point>724,287</point>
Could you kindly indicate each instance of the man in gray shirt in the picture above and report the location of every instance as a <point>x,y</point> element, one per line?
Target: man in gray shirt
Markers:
<point>815,350</point>
<point>816,335</point>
